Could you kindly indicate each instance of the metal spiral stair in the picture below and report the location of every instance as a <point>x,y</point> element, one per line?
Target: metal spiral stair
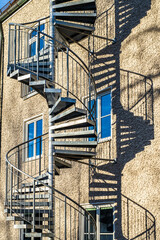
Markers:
<point>29,197</point>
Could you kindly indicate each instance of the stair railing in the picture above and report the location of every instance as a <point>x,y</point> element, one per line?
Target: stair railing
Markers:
<point>27,194</point>
<point>71,71</point>
<point>141,226</point>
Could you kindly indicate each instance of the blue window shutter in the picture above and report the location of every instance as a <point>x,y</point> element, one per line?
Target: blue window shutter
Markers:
<point>30,136</point>
<point>39,130</point>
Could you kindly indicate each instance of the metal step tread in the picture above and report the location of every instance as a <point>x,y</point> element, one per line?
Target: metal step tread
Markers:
<point>37,83</point>
<point>38,235</point>
<point>74,26</point>
<point>29,226</point>
<point>80,123</point>
<point>30,190</point>
<point>52,90</point>
<point>79,134</point>
<point>29,204</point>
<point>17,219</point>
<point>69,114</point>
<point>22,210</point>
<point>61,104</point>
<point>27,197</point>
<point>83,144</point>
<point>39,183</point>
<point>74,154</point>
<point>76,17</point>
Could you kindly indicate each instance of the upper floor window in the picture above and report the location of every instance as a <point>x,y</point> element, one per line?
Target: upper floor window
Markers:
<point>33,40</point>
<point>103,115</point>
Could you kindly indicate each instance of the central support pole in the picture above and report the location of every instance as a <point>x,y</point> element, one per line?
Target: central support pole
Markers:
<point>51,153</point>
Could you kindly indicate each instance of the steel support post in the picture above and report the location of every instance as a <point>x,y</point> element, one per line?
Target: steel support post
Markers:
<point>15,41</point>
<point>11,190</point>
<point>52,34</point>
<point>38,47</point>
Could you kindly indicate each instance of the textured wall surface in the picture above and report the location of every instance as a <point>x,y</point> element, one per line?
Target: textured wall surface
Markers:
<point>130,68</point>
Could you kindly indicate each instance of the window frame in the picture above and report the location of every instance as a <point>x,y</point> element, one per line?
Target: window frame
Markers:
<point>98,207</point>
<point>98,112</point>
<point>26,124</point>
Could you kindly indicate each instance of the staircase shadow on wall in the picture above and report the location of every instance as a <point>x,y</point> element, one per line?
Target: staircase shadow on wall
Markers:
<point>134,128</point>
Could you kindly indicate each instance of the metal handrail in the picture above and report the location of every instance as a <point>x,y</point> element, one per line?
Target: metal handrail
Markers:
<point>42,183</point>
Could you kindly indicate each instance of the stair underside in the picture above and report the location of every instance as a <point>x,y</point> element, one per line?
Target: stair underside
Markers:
<point>76,17</point>
<point>69,154</point>
<point>79,134</point>
<point>83,144</point>
<point>79,5</point>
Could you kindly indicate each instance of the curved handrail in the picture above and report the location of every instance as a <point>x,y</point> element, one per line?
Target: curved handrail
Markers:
<point>148,218</point>
<point>81,210</point>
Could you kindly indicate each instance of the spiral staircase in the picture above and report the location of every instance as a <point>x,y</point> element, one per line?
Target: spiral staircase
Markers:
<point>32,202</point>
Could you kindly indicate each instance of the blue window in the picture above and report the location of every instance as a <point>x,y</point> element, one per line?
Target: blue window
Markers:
<point>33,40</point>
<point>34,129</point>
<point>102,115</point>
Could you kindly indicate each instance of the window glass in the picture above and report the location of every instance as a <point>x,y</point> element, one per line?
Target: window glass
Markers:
<point>105,104</point>
<point>30,136</point>
<point>106,220</point>
<point>38,133</point>
<point>106,127</point>
<point>34,129</point>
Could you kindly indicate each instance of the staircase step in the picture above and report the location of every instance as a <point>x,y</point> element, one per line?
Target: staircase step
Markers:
<point>42,176</point>
<point>38,83</point>
<point>80,123</point>
<point>74,112</point>
<point>62,164</point>
<point>39,235</point>
<point>73,154</point>
<point>39,219</point>
<point>30,190</point>
<point>74,26</point>
<point>25,78</point>
<point>29,226</point>
<point>14,74</point>
<point>61,104</point>
<point>27,211</point>
<point>76,17</point>
<point>79,134</point>
<point>75,5</point>
<point>39,183</point>
<point>26,196</point>
<point>29,204</point>
<point>83,144</point>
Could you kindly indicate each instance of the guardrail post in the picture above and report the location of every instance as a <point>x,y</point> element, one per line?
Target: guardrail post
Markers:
<point>65,219</point>
<point>6,197</point>
<point>40,149</point>
<point>67,72</point>
<point>11,190</point>
<point>128,219</point>
<point>89,227</point>
<point>34,214</point>
<point>15,38</point>
<point>38,43</point>
<point>18,166</point>
<point>9,44</point>
<point>18,43</point>
<point>146,225</point>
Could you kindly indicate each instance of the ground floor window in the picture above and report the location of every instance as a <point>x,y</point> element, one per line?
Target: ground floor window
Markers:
<point>104,218</point>
<point>33,129</point>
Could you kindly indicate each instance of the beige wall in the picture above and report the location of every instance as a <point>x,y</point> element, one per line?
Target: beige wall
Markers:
<point>135,130</point>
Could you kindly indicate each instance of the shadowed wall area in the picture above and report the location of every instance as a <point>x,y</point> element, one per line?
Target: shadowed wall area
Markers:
<point>132,120</point>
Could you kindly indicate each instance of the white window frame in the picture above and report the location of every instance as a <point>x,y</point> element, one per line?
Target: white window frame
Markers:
<point>98,207</point>
<point>99,95</point>
<point>26,123</point>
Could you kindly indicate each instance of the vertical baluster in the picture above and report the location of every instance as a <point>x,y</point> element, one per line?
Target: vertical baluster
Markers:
<point>146,224</point>
<point>11,185</point>
<point>18,43</point>
<point>89,227</point>
<point>67,72</point>
<point>34,206</point>
<point>128,219</point>
<point>38,41</point>
<point>15,35</point>
<point>9,44</point>
<point>40,155</point>
<point>6,197</point>
<point>65,219</point>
